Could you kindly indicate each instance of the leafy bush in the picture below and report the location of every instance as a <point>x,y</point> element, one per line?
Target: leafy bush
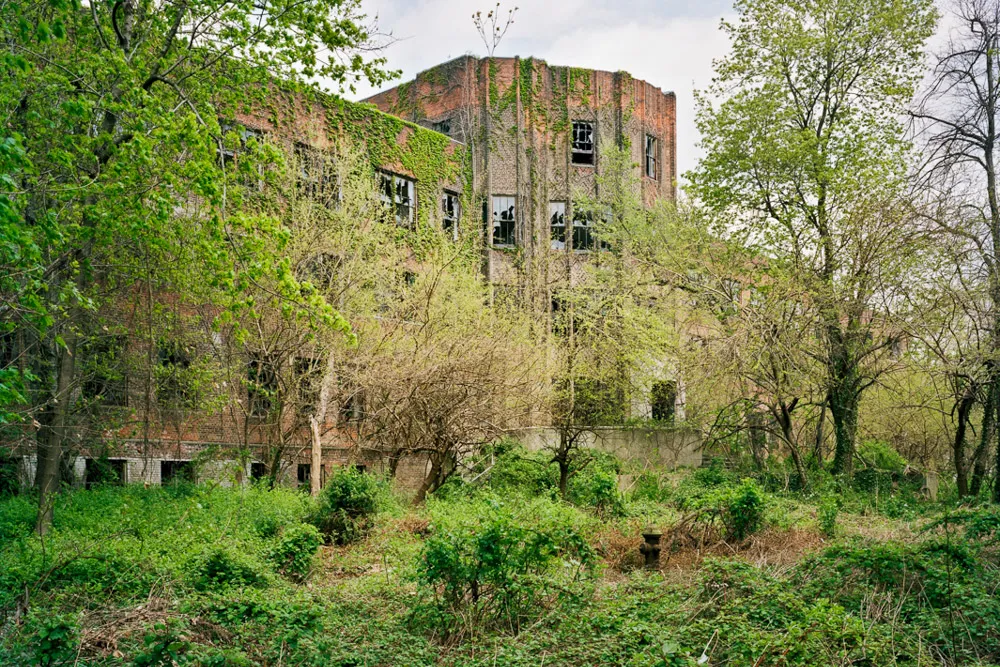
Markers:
<point>594,483</point>
<point>54,638</point>
<point>827,512</point>
<point>295,550</point>
<point>881,456</point>
<point>496,567</point>
<point>651,487</point>
<point>743,511</point>
<point>224,566</point>
<point>348,505</point>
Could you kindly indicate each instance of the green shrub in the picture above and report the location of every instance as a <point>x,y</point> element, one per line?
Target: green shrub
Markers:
<point>827,512</point>
<point>594,483</point>
<point>744,510</point>
<point>495,568</point>
<point>295,550</point>
<point>881,456</point>
<point>650,486</point>
<point>348,505</point>
<point>224,566</point>
<point>54,638</point>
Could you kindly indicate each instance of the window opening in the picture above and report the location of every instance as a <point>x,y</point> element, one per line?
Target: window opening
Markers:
<point>504,220</point>
<point>583,142</point>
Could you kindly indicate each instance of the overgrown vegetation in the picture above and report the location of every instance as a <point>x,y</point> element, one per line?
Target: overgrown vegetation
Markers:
<point>500,570</point>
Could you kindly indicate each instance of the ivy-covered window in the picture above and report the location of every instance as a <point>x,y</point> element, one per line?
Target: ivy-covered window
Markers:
<point>651,153</point>
<point>583,142</point>
<point>664,401</point>
<point>397,193</point>
<point>450,212</point>
<point>316,176</point>
<point>557,224</point>
<point>504,220</point>
<point>229,153</point>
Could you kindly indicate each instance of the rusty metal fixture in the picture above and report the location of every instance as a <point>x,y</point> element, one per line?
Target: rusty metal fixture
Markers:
<point>651,548</point>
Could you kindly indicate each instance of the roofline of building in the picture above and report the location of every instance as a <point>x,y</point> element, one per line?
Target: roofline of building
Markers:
<point>469,56</point>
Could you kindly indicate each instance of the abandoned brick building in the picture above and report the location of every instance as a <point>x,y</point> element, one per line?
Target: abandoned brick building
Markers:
<point>496,150</point>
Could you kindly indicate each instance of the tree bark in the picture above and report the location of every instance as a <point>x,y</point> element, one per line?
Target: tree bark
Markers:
<point>981,455</point>
<point>53,433</point>
<point>965,405</point>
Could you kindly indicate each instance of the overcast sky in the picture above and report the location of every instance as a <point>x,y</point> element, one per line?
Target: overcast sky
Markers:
<point>669,43</point>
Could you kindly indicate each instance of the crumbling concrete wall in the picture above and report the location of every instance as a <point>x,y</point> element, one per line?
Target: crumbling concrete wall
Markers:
<point>639,447</point>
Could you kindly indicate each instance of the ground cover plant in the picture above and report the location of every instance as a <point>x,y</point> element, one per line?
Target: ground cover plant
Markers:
<point>496,572</point>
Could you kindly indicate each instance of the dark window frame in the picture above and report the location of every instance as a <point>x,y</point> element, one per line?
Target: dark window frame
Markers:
<point>584,143</point>
<point>451,212</point>
<point>652,157</point>
<point>504,220</point>
<point>557,224</point>
<point>399,193</point>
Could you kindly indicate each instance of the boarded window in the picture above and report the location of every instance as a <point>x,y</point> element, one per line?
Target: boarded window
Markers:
<point>557,224</point>
<point>583,142</point>
<point>504,220</point>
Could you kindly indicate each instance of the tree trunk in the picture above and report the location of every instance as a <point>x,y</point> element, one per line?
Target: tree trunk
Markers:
<point>981,455</point>
<point>431,479</point>
<point>844,410</point>
<point>818,453</point>
<point>316,465</point>
<point>53,433</point>
<point>965,405</point>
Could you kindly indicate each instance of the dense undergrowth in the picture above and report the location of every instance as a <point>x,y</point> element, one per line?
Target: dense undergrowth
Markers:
<point>504,572</point>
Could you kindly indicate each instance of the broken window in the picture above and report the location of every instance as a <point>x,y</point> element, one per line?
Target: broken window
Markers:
<point>303,475</point>
<point>104,471</point>
<point>309,378</point>
<point>397,193</point>
<point>173,383</point>
<point>105,377</point>
<point>583,142</point>
<point>174,472</point>
<point>450,211</point>
<point>316,178</point>
<point>352,409</point>
<point>443,126</point>
<point>583,230</point>
<point>258,471</point>
<point>557,224</point>
<point>651,153</point>
<point>504,220</point>
<point>262,385</point>
<point>664,401</point>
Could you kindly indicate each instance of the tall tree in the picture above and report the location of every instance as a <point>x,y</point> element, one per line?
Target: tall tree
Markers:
<point>961,113</point>
<point>117,107</point>
<point>806,160</point>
